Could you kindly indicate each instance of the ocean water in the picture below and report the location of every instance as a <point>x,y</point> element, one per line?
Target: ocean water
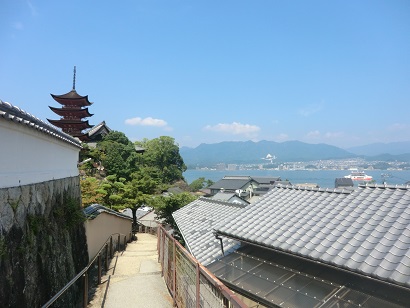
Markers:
<point>323,178</point>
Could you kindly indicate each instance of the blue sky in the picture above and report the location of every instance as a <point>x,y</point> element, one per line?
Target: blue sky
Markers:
<point>335,72</point>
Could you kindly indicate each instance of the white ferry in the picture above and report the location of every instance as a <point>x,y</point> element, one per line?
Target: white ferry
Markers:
<point>357,175</point>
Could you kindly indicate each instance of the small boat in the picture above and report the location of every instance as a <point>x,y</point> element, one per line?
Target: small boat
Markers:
<point>357,175</point>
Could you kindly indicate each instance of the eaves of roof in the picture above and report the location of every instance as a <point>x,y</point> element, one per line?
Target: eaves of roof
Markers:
<point>196,222</point>
<point>230,184</point>
<point>366,231</point>
<point>94,210</point>
<point>96,128</point>
<point>15,114</point>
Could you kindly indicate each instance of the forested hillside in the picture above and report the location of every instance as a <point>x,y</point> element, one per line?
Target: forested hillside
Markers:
<point>250,152</point>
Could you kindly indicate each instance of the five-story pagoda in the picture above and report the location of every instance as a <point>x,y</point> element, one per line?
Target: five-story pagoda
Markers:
<point>72,113</point>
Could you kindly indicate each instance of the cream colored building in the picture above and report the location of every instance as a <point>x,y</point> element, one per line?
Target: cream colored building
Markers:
<point>101,223</point>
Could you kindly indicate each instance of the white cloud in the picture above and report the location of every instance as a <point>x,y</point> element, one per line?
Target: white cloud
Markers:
<point>310,109</point>
<point>334,135</point>
<point>33,10</point>
<point>313,134</point>
<point>137,121</point>
<point>396,127</point>
<point>234,129</point>
<point>18,25</point>
<point>282,137</point>
<point>328,137</point>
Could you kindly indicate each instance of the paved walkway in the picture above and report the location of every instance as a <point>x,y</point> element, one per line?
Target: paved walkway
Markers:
<point>134,278</point>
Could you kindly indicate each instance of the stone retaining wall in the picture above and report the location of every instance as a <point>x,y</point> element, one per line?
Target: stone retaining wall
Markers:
<point>42,242</point>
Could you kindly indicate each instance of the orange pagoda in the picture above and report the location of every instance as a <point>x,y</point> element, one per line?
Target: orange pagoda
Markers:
<point>74,110</point>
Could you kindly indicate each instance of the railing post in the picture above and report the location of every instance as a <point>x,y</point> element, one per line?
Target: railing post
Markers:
<point>106,259</point>
<point>99,269</point>
<point>85,294</point>
<point>125,242</point>
<point>198,291</point>
<point>163,254</point>
<point>111,247</point>
<point>118,243</point>
<point>174,271</point>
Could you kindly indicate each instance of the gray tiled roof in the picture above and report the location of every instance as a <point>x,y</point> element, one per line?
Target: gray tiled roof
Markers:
<point>343,182</point>
<point>366,231</point>
<point>93,130</point>
<point>93,210</point>
<point>221,196</point>
<point>230,184</point>
<point>138,213</point>
<point>196,222</point>
<point>266,179</point>
<point>17,115</point>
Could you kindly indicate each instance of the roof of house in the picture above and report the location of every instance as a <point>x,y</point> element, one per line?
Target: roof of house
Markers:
<point>364,231</point>
<point>229,197</point>
<point>266,179</point>
<point>344,182</point>
<point>94,210</point>
<point>280,280</point>
<point>97,129</point>
<point>196,222</point>
<point>231,182</point>
<point>17,115</point>
<point>142,211</point>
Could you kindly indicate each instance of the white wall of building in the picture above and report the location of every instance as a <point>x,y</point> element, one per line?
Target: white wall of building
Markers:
<point>29,156</point>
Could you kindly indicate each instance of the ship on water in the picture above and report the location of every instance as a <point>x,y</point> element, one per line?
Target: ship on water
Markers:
<point>357,175</point>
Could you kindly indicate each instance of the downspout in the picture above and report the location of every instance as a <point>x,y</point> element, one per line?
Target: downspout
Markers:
<point>222,245</point>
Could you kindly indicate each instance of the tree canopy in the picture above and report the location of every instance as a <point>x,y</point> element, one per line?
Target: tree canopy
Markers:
<point>162,154</point>
<point>118,155</point>
<point>132,179</point>
<point>200,183</point>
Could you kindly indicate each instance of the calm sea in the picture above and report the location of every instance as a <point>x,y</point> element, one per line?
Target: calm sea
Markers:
<point>324,178</point>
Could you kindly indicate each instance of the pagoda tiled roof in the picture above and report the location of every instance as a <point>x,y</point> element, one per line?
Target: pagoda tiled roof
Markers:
<point>70,123</point>
<point>80,113</point>
<point>72,98</point>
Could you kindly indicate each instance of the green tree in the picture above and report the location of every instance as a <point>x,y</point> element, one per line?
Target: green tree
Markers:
<point>163,154</point>
<point>117,154</point>
<point>113,190</point>
<point>165,205</point>
<point>200,183</point>
<point>140,189</point>
<point>90,193</point>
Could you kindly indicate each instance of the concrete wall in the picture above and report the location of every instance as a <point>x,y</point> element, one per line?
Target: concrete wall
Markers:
<point>100,228</point>
<point>29,156</point>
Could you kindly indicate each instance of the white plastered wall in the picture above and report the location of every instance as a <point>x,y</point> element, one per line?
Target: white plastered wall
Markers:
<point>29,156</point>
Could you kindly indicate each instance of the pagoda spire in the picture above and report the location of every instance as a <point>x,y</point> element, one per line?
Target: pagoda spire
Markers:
<point>74,79</point>
<point>72,113</point>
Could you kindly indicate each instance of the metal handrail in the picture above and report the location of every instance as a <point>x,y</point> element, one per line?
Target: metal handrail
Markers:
<point>234,300</point>
<point>85,269</point>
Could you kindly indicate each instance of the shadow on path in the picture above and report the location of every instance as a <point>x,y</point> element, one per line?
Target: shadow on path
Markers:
<point>134,278</point>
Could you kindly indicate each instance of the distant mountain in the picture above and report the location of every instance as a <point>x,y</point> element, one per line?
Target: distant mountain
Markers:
<point>393,148</point>
<point>390,158</point>
<point>250,152</point>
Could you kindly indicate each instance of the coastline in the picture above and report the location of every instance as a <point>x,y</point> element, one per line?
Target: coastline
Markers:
<point>324,178</point>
